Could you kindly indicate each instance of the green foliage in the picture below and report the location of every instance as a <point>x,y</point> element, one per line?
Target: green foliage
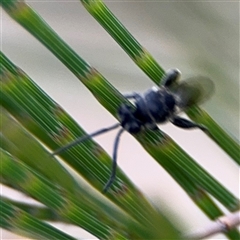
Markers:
<point>29,116</point>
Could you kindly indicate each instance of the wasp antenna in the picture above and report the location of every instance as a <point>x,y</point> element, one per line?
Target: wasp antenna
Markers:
<point>114,163</point>
<point>84,138</point>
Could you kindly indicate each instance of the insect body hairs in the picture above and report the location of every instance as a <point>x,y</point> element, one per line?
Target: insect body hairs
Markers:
<point>155,106</point>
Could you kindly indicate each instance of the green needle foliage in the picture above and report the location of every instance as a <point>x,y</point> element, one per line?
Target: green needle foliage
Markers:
<point>16,220</point>
<point>29,101</point>
<point>30,116</point>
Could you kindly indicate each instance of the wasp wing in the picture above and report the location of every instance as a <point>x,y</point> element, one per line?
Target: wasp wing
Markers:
<point>193,91</point>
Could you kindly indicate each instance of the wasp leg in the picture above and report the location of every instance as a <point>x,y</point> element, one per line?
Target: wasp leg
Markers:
<point>114,163</point>
<point>184,123</point>
<point>171,77</point>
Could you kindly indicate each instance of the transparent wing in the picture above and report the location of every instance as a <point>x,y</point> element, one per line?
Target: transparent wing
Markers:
<point>193,91</point>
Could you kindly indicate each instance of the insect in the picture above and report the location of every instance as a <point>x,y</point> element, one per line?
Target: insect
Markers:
<point>155,106</point>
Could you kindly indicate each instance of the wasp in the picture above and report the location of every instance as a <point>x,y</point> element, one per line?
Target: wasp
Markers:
<point>157,105</point>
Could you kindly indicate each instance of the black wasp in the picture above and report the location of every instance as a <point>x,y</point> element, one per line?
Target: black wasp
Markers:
<point>155,106</point>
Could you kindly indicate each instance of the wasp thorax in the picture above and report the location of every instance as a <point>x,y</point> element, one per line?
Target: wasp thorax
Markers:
<point>160,104</point>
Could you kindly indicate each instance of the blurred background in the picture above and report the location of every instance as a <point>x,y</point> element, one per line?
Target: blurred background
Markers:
<point>199,38</point>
